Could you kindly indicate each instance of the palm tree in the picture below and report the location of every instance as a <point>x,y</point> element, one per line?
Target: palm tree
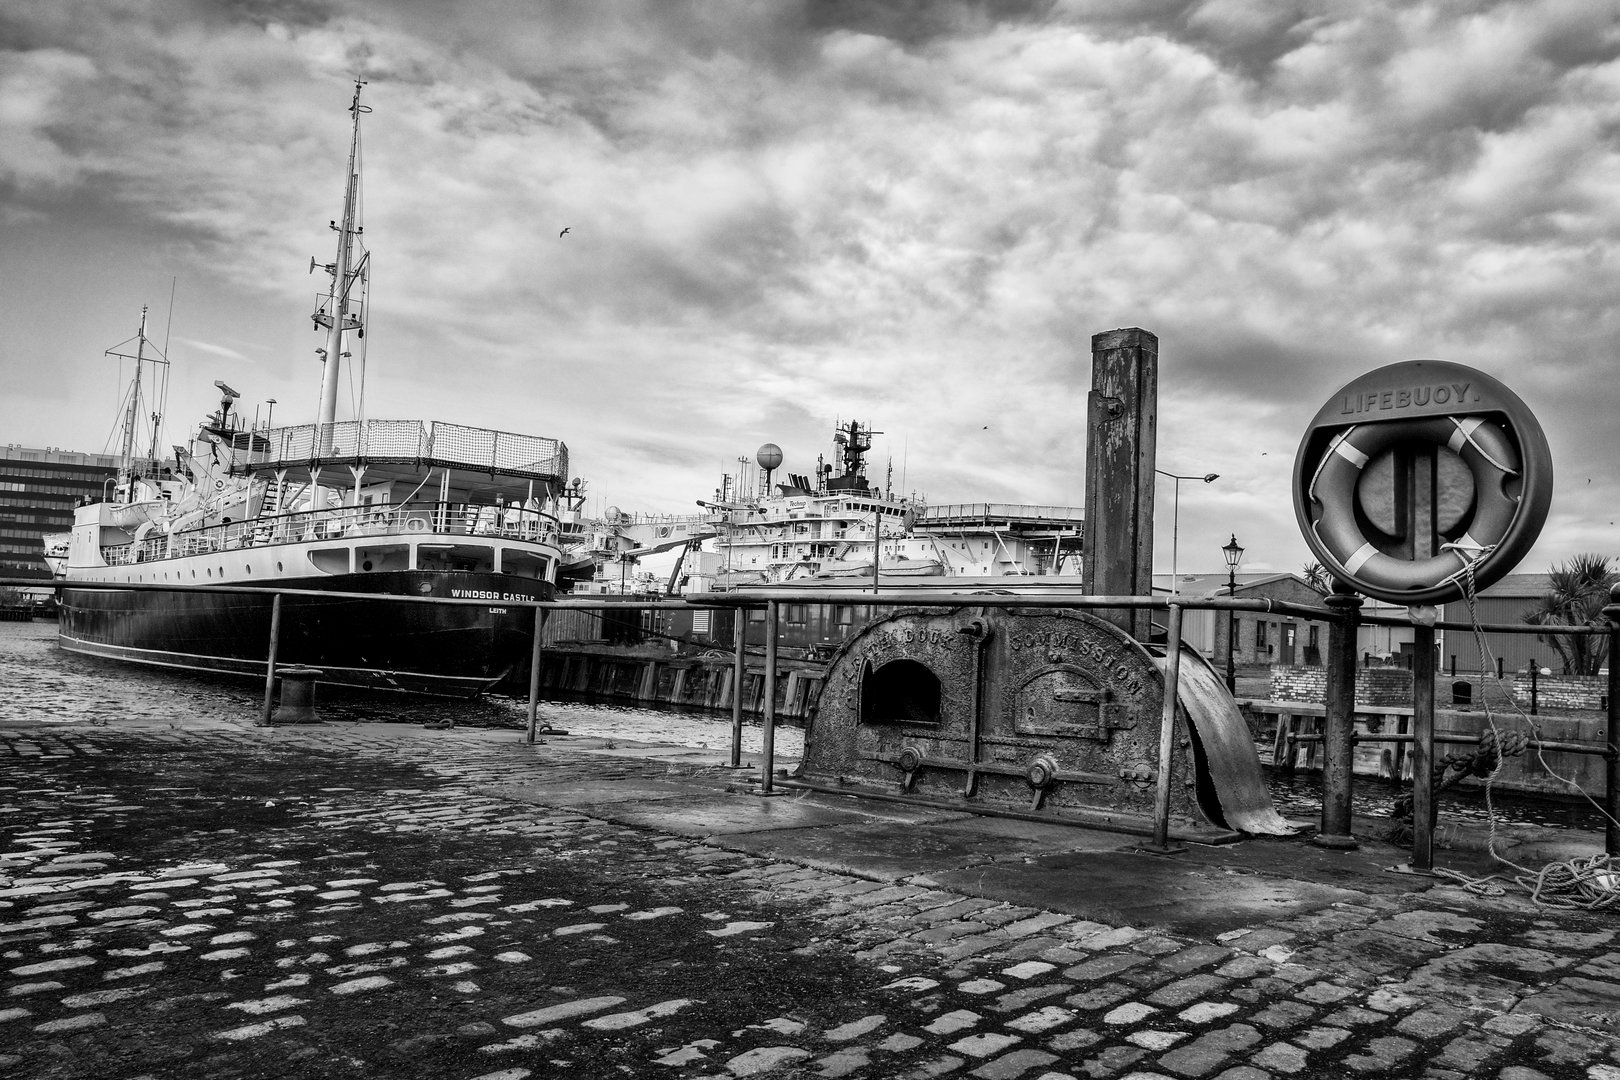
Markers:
<point>1316,576</point>
<point>1579,590</point>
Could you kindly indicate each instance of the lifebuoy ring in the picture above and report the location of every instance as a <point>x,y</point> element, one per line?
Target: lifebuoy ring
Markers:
<point>416,524</point>
<point>1490,457</point>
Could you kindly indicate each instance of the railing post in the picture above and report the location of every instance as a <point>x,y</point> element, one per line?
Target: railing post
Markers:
<point>1167,733</point>
<point>768,766</point>
<point>739,640</point>
<point>270,662</point>
<point>536,655</point>
<point>1611,736</point>
<point>1338,741</point>
<point>1422,748</point>
<point>1535,688</point>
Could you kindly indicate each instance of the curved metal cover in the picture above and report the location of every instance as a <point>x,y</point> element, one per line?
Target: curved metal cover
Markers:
<point>1226,749</point>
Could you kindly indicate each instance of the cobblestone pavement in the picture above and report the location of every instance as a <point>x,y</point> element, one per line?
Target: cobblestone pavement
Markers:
<point>353,900</point>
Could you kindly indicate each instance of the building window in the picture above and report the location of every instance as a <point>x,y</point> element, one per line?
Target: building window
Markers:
<point>1259,634</point>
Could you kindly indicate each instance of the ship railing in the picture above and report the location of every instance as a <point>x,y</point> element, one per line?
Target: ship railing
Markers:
<point>406,519</point>
<point>455,445</point>
<point>990,512</point>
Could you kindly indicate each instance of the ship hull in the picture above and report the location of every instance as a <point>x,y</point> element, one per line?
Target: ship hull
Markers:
<point>454,650</point>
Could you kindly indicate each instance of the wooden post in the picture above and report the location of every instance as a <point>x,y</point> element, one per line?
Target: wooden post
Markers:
<point>1422,748</point>
<point>739,618</point>
<point>270,663</point>
<point>1338,744</point>
<point>1611,758</point>
<point>1121,441</point>
<point>536,655</point>
<point>1167,734</point>
<point>768,765</point>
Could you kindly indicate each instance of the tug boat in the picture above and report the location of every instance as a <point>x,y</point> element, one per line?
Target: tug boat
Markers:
<point>399,510</point>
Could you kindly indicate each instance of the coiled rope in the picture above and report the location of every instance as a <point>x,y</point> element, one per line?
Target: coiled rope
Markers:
<point>1590,883</point>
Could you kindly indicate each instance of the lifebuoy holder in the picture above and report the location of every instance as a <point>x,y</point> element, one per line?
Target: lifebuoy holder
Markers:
<point>1464,482</point>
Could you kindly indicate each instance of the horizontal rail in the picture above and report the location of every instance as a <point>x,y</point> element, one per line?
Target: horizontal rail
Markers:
<point>1600,749</point>
<point>759,598</point>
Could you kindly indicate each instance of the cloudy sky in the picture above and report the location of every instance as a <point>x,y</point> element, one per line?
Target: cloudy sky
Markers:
<point>782,214</point>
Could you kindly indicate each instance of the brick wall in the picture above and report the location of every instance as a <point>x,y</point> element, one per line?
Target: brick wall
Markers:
<point>1374,686</point>
<point>1563,691</point>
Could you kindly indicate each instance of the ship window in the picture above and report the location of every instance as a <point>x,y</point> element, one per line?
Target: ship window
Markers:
<point>248,567</point>
<point>384,557</point>
<point>900,692</point>
<point>278,567</point>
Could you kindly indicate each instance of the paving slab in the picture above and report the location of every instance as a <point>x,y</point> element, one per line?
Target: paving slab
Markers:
<point>891,850</point>
<point>578,793</point>
<point>723,815</point>
<point>1145,891</point>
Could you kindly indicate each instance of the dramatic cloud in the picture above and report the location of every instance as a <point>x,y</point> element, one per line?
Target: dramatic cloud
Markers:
<point>916,214</point>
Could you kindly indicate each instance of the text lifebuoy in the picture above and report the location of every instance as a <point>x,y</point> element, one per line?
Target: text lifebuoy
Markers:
<point>1483,447</point>
<point>416,524</point>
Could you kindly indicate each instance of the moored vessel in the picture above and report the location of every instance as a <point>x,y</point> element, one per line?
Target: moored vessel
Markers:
<point>399,510</point>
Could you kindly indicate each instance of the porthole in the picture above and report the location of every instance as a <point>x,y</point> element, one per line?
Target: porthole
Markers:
<point>366,565</point>
<point>248,567</point>
<point>278,568</point>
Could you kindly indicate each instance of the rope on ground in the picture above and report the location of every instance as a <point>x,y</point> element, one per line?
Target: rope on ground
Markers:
<point>1589,884</point>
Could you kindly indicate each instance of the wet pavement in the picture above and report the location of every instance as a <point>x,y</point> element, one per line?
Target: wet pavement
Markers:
<point>194,896</point>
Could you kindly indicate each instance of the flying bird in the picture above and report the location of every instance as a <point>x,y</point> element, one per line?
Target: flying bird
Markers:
<point>564,232</point>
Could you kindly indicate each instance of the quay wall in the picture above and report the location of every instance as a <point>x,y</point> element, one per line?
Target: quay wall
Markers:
<point>1563,691</point>
<point>1462,710</point>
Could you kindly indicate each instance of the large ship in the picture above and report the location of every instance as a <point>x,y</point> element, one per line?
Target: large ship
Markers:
<point>399,510</point>
<point>835,525</point>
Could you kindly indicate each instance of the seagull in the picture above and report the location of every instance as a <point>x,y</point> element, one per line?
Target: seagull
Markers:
<point>564,232</point>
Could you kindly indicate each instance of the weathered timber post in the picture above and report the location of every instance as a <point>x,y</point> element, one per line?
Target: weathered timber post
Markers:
<point>1422,748</point>
<point>1338,744</point>
<point>1121,441</point>
<point>270,662</point>
<point>767,767</point>
<point>739,639</point>
<point>1611,736</point>
<point>536,658</point>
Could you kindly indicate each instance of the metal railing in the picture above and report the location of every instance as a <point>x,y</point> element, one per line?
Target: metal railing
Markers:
<point>405,519</point>
<point>406,440</point>
<point>1338,739</point>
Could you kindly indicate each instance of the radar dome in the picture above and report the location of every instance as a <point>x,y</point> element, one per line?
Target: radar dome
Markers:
<point>769,456</point>
<point>612,513</point>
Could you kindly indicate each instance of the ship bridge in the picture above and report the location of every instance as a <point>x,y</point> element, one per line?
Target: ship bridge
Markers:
<point>1063,525</point>
<point>466,459</point>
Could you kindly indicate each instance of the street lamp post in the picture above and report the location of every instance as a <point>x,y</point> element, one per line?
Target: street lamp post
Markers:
<point>1175,516</point>
<point>1233,551</point>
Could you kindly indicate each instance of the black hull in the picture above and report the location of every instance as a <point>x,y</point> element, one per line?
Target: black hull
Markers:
<point>457,650</point>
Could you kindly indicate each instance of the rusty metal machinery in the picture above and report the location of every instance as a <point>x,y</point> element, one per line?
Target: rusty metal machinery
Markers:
<point>1051,714</point>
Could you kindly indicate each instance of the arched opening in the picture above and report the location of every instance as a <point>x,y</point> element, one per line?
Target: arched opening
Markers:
<point>900,692</point>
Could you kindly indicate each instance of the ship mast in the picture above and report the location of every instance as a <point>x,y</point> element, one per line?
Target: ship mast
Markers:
<point>126,458</point>
<point>334,313</point>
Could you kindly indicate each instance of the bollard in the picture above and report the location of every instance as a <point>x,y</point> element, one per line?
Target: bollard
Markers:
<point>297,696</point>
<point>1338,746</point>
